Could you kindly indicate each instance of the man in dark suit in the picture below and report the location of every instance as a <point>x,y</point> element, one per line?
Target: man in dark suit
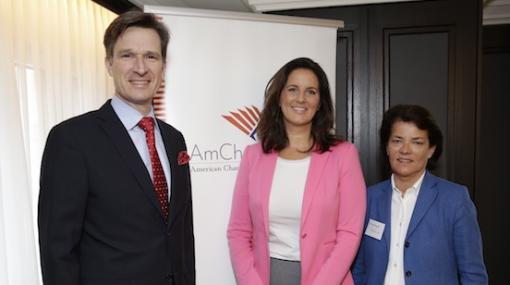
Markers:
<point>115,199</point>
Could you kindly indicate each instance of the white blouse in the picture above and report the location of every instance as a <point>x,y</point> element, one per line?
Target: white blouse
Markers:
<point>285,203</point>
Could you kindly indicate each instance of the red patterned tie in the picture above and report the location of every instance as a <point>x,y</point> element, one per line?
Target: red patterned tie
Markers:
<point>158,176</point>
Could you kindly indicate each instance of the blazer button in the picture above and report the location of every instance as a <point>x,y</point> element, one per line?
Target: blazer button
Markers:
<point>406,244</point>
<point>303,235</point>
<point>408,273</point>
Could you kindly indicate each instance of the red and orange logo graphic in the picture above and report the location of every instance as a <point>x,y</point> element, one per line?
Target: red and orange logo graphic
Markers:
<point>245,120</point>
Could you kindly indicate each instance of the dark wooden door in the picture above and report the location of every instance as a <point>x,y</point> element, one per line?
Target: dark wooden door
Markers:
<point>493,151</point>
<point>423,52</point>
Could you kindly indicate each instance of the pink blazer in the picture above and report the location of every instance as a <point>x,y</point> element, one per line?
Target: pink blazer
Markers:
<point>333,213</point>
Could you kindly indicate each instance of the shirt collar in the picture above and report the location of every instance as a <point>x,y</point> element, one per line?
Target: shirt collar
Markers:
<point>413,190</point>
<point>128,115</point>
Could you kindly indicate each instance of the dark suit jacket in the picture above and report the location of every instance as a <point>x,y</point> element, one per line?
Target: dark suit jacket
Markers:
<point>443,243</point>
<point>99,219</point>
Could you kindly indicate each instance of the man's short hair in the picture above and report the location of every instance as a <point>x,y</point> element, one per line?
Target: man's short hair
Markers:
<point>135,19</point>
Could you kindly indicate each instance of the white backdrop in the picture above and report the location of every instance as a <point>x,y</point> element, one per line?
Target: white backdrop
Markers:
<point>218,65</point>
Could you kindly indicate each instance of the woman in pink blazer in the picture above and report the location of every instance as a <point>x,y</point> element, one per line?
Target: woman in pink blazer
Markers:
<point>299,199</point>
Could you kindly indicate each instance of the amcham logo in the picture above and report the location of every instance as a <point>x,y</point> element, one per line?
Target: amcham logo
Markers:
<point>245,120</point>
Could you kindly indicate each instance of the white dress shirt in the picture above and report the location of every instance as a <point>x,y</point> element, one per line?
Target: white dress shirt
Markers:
<point>402,207</point>
<point>130,118</point>
<point>285,205</point>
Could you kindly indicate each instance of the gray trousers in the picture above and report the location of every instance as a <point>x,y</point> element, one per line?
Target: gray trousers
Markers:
<point>285,272</point>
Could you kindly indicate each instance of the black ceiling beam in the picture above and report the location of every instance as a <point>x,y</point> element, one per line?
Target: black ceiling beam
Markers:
<point>117,6</point>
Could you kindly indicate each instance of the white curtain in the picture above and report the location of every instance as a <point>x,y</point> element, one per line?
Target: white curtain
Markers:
<point>51,68</point>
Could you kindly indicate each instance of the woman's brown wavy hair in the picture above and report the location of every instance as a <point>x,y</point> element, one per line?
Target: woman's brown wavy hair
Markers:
<point>271,128</point>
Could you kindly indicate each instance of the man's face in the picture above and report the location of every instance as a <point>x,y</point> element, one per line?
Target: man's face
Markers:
<point>137,67</point>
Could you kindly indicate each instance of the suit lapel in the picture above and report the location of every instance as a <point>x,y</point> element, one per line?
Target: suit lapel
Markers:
<point>385,211</point>
<point>317,163</point>
<point>127,150</point>
<point>266,170</point>
<point>426,197</point>
<point>176,179</point>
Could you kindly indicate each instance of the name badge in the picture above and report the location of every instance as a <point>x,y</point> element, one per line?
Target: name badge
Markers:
<point>375,229</point>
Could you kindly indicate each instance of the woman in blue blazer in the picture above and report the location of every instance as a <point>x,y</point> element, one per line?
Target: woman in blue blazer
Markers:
<point>419,228</point>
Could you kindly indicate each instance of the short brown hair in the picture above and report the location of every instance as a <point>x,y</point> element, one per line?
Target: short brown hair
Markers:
<point>271,128</point>
<point>135,18</point>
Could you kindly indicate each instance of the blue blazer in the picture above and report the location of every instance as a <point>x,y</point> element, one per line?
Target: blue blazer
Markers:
<point>443,242</point>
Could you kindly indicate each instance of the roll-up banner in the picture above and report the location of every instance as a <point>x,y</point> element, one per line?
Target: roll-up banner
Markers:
<point>218,65</point>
